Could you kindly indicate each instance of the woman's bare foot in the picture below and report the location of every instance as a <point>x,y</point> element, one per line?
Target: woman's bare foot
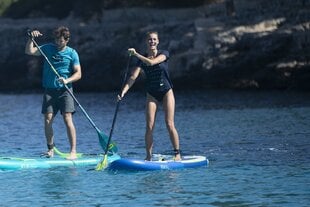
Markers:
<point>177,155</point>
<point>148,158</point>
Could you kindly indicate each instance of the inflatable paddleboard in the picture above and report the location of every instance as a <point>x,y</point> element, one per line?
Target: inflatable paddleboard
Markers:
<point>14,163</point>
<point>160,162</point>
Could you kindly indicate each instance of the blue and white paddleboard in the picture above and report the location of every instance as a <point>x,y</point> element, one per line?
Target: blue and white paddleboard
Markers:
<point>159,162</point>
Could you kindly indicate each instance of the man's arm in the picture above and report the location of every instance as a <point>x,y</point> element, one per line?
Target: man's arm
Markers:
<point>30,49</point>
<point>77,75</point>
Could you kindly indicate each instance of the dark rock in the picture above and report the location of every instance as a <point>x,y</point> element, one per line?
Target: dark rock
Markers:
<point>263,45</point>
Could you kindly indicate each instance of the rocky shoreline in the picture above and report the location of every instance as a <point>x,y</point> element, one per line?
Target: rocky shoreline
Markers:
<point>264,46</point>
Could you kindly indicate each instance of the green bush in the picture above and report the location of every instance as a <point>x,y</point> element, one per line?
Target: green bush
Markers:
<point>4,4</point>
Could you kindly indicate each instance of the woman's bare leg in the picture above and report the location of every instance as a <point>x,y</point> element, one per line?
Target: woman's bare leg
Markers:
<point>169,108</point>
<point>151,107</point>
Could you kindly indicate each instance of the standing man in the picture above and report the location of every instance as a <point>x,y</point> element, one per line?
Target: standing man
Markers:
<point>56,98</point>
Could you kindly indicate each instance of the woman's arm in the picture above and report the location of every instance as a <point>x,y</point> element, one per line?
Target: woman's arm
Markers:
<point>159,59</point>
<point>135,73</point>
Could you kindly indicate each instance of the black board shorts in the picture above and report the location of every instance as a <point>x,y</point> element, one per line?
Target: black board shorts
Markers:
<point>55,100</point>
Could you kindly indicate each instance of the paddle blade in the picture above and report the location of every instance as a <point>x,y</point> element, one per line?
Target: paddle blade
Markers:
<point>103,164</point>
<point>103,140</point>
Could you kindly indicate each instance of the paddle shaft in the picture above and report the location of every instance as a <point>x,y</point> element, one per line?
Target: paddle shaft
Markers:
<point>67,88</point>
<point>117,107</point>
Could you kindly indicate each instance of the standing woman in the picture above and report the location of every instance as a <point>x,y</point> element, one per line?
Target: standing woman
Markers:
<point>159,90</point>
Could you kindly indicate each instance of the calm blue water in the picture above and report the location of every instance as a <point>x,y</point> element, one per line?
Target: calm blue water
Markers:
<point>258,145</point>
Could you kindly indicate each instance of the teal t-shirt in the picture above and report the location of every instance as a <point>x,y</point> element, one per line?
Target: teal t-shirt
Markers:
<point>63,62</point>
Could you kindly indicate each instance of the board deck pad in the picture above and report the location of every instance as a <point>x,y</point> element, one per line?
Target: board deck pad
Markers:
<point>159,162</point>
<point>16,163</point>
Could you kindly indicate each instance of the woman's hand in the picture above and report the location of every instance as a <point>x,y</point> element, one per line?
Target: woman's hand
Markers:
<point>132,51</point>
<point>120,96</point>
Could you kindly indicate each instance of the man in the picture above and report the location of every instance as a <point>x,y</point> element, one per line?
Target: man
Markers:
<point>56,98</point>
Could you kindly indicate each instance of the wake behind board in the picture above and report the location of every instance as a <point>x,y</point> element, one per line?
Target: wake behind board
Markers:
<point>160,162</point>
<point>15,163</point>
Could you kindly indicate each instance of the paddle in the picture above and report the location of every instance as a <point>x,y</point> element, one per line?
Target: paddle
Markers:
<point>104,163</point>
<point>103,139</point>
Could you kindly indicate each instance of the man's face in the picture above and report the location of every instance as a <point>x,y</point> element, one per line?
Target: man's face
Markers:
<point>61,42</point>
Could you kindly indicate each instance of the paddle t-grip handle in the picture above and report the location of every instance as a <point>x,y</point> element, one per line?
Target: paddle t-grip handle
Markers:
<point>29,33</point>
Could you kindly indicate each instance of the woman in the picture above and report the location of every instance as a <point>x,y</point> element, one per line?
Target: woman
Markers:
<point>159,90</point>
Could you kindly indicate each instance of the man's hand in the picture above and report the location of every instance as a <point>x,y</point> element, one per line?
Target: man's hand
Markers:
<point>34,33</point>
<point>63,80</point>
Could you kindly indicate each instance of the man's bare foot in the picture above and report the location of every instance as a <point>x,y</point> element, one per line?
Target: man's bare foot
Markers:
<point>72,156</point>
<point>48,154</point>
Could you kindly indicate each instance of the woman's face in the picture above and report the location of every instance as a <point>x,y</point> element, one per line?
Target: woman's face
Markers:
<point>152,41</point>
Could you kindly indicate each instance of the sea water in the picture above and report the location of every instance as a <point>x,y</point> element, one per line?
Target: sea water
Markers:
<point>257,144</point>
